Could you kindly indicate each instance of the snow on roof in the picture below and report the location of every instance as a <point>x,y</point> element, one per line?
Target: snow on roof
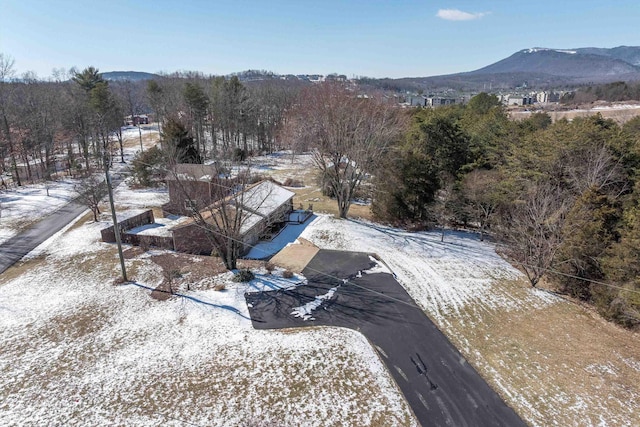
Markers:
<point>161,227</point>
<point>257,202</point>
<point>249,220</point>
<point>265,197</point>
<point>192,172</point>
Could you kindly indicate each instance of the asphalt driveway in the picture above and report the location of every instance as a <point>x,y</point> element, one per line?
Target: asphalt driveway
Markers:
<point>439,384</point>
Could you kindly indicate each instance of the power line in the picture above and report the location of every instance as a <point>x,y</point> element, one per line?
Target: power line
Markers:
<point>560,273</point>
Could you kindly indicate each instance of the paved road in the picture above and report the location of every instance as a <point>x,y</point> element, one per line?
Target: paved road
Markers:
<point>439,384</point>
<point>21,244</point>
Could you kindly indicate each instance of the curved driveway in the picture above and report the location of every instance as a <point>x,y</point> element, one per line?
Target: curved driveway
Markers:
<point>439,384</point>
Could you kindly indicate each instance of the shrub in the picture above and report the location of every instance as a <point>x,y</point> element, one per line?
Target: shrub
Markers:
<point>239,155</point>
<point>149,167</point>
<point>290,182</point>
<point>287,274</point>
<point>244,275</point>
<point>269,267</point>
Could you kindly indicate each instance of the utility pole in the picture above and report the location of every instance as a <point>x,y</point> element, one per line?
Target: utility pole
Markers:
<point>116,228</point>
<point>140,134</point>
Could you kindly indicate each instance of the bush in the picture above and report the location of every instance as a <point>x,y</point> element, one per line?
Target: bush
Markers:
<point>239,155</point>
<point>149,167</point>
<point>290,182</point>
<point>269,267</point>
<point>287,274</point>
<point>244,275</point>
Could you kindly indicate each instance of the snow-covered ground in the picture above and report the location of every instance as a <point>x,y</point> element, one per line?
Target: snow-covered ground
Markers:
<point>21,206</point>
<point>77,349</point>
<point>462,283</point>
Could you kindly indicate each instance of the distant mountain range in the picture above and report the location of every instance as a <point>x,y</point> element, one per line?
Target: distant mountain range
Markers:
<point>542,68</point>
<point>539,68</point>
<point>128,75</point>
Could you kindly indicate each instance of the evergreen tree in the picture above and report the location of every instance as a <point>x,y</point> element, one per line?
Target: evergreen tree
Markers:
<point>176,142</point>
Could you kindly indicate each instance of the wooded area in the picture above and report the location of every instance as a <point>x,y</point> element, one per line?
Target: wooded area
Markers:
<point>562,199</point>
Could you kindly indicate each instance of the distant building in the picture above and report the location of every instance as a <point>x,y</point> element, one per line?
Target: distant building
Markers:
<point>138,119</point>
<point>513,99</point>
<point>438,101</point>
<point>546,96</point>
<point>425,101</point>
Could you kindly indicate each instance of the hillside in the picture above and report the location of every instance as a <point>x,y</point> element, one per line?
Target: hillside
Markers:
<point>128,75</point>
<point>539,68</point>
<point>564,63</point>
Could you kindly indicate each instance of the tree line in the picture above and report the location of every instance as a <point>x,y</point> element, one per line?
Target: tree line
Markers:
<point>611,92</point>
<point>54,124</point>
<point>561,199</point>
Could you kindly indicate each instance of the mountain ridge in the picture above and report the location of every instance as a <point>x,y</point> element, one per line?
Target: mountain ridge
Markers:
<point>536,67</point>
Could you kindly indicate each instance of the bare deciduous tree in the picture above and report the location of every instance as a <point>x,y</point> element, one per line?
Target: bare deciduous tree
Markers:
<point>481,192</point>
<point>91,190</point>
<point>6,73</point>
<point>594,167</point>
<point>235,207</point>
<point>534,230</point>
<point>347,133</point>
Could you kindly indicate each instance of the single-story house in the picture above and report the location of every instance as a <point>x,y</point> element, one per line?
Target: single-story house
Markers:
<point>259,209</point>
<point>138,119</point>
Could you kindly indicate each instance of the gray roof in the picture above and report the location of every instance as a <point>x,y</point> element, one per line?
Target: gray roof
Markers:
<point>192,172</point>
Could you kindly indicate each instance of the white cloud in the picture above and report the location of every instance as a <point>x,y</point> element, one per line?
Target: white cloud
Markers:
<point>459,15</point>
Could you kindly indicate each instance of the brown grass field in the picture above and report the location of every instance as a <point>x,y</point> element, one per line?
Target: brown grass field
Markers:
<point>626,112</point>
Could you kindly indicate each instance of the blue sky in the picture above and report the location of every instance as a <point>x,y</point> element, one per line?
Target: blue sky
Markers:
<point>393,38</point>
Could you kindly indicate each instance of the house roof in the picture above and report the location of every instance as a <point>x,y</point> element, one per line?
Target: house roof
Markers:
<point>192,172</point>
<point>265,197</point>
<point>258,201</point>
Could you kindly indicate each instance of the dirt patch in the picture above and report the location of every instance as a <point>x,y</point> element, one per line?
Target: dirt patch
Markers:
<point>312,196</point>
<point>619,115</point>
<point>295,257</point>
<point>568,364</point>
<point>184,272</point>
<point>132,252</point>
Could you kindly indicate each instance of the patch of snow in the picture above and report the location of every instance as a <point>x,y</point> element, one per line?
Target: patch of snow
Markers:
<point>305,311</point>
<point>615,107</point>
<point>601,369</point>
<point>543,49</point>
<point>126,197</point>
<point>378,268</point>
<point>161,227</point>
<point>29,203</point>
